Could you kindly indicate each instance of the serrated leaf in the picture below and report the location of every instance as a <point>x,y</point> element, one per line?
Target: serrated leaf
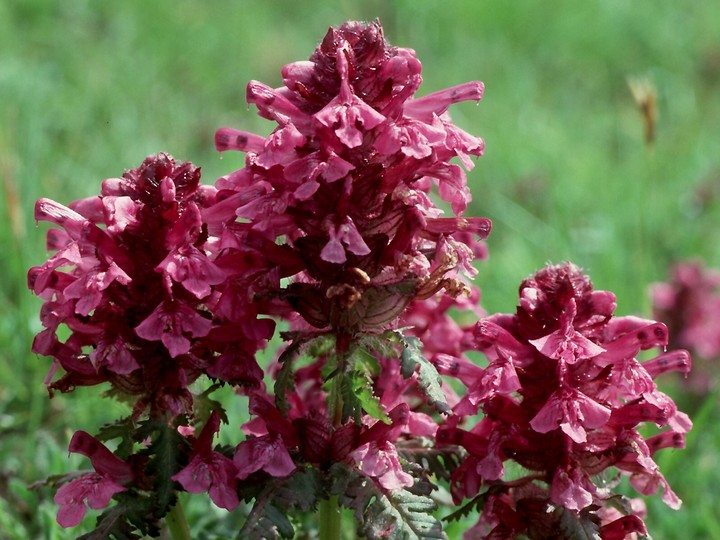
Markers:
<point>268,519</point>
<point>440,462</point>
<point>123,429</point>
<point>391,515</point>
<point>363,397</point>
<point>205,405</point>
<point>578,526</point>
<point>386,345</point>
<point>129,519</point>
<point>319,344</point>
<point>164,452</point>
<point>428,377</point>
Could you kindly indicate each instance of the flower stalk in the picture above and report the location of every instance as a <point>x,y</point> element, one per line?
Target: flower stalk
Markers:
<point>330,519</point>
<point>177,523</point>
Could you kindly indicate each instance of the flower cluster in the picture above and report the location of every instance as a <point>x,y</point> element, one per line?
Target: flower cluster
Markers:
<point>167,290</point>
<point>689,304</point>
<point>131,280</point>
<point>562,396</point>
<point>343,182</point>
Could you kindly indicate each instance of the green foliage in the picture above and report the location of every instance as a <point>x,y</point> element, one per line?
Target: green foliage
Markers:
<point>438,461</point>
<point>427,376</point>
<point>358,396</point>
<point>278,497</point>
<point>164,452</point>
<point>578,525</point>
<point>124,519</point>
<point>393,515</point>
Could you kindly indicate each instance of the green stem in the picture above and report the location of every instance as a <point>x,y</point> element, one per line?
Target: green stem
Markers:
<point>335,400</point>
<point>330,520</point>
<point>177,524</point>
<point>330,517</point>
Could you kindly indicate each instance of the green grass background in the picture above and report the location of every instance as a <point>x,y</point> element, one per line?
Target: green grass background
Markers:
<point>89,88</point>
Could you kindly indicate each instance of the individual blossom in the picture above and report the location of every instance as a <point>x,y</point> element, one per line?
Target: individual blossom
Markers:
<point>377,454</point>
<point>210,471</point>
<point>96,489</point>
<point>563,395</point>
<point>268,450</point>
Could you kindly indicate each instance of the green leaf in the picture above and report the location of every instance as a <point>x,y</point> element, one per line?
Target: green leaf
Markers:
<point>428,377</point>
<point>268,519</point>
<point>434,460</point>
<point>130,519</point>
<point>164,452</point>
<point>319,345</point>
<point>122,429</point>
<point>205,405</point>
<point>389,344</point>
<point>578,526</point>
<point>362,397</point>
<point>392,515</point>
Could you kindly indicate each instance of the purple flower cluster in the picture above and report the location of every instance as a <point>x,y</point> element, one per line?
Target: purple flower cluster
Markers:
<point>165,290</point>
<point>563,395</point>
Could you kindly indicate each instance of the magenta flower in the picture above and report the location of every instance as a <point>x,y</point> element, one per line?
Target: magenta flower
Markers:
<point>134,282</point>
<point>343,184</point>
<point>97,488</point>
<point>381,461</point>
<point>267,452</point>
<point>268,449</point>
<point>563,395</point>
<point>210,471</point>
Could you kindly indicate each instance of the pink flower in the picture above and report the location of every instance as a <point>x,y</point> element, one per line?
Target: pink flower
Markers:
<point>563,395</point>
<point>572,411</point>
<point>110,477</point>
<point>210,471</point>
<point>380,460</point>
<point>173,324</point>
<point>148,303</point>
<point>342,186</point>
<point>689,303</point>
<point>267,453</point>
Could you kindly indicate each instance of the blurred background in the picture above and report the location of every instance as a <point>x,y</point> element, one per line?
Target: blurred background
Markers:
<point>602,126</point>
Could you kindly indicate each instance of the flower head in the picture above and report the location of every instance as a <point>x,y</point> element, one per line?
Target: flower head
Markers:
<point>133,280</point>
<point>342,185</point>
<point>689,303</point>
<point>563,395</point>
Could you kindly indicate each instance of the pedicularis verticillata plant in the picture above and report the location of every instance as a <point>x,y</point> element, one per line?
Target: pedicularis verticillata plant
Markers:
<point>167,289</point>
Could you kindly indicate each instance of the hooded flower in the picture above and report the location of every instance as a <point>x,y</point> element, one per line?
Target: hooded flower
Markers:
<point>96,488</point>
<point>133,280</point>
<point>210,471</point>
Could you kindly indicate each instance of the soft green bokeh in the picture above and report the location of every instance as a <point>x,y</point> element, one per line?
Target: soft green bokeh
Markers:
<point>89,88</point>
